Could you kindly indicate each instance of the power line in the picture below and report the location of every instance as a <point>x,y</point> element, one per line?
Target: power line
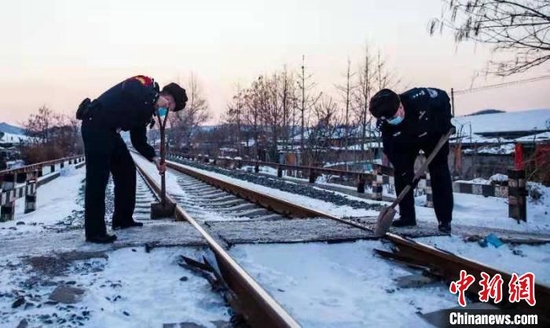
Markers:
<point>501,85</point>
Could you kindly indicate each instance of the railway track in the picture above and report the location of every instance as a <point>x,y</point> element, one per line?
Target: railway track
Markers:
<point>248,209</point>
<point>259,308</point>
<point>226,217</point>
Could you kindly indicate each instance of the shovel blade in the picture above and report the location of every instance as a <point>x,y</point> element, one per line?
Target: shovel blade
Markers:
<point>385,218</point>
<point>160,210</point>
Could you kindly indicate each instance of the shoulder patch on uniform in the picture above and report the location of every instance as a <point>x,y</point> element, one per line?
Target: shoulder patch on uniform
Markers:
<point>418,94</point>
<point>144,80</point>
<point>433,93</point>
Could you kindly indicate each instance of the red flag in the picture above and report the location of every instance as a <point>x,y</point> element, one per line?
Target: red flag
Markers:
<point>519,156</point>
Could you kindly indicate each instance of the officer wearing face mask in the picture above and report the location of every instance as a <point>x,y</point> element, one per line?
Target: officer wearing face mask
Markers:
<point>128,106</point>
<point>409,122</point>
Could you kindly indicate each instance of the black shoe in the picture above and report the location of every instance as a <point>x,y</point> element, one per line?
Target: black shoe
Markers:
<point>445,227</point>
<point>403,223</point>
<point>102,239</point>
<point>125,225</point>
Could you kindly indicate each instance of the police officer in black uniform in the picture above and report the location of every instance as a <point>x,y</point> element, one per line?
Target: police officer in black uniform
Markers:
<point>128,106</point>
<point>409,122</point>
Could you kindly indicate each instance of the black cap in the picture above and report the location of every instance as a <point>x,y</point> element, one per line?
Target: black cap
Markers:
<point>178,93</point>
<point>384,104</point>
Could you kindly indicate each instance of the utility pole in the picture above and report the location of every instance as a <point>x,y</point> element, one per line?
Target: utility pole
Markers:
<point>453,101</point>
<point>303,107</point>
<point>346,140</point>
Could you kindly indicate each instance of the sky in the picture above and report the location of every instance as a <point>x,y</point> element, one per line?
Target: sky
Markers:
<point>56,53</point>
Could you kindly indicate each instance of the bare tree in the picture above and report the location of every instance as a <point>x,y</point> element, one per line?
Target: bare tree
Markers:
<point>195,113</point>
<point>365,86</point>
<point>233,117</point>
<point>347,91</point>
<point>52,135</point>
<point>271,111</point>
<point>38,126</point>
<point>326,127</point>
<point>519,28</point>
<point>307,100</point>
<point>374,75</point>
<point>289,101</point>
<point>251,113</point>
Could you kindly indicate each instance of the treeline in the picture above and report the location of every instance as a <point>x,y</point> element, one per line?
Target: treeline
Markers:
<point>285,111</point>
<point>50,135</point>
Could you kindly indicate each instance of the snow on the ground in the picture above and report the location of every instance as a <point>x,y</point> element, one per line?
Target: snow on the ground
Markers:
<point>263,169</point>
<point>172,186</point>
<point>339,285</point>
<point>321,285</point>
<point>510,258</point>
<point>475,181</point>
<point>52,205</point>
<point>131,288</point>
<point>490,212</point>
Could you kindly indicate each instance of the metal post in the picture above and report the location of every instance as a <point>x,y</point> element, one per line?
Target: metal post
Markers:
<point>361,184</point>
<point>517,195</point>
<point>453,101</point>
<point>30,195</point>
<point>377,184</point>
<point>312,176</point>
<point>7,202</point>
<point>429,192</point>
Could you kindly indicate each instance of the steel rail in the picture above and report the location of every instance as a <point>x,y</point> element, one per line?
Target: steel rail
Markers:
<point>258,307</point>
<point>449,265</point>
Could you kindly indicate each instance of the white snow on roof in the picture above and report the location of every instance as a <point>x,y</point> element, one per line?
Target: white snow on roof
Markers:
<point>13,138</point>
<point>535,137</point>
<point>505,149</point>
<point>530,120</point>
<point>475,139</point>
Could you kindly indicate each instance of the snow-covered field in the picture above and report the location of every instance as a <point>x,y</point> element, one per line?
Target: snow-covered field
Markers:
<point>127,288</point>
<point>54,201</point>
<point>321,285</point>
<point>340,285</point>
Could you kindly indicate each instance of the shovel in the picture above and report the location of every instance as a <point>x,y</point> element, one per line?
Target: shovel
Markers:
<point>385,218</point>
<point>163,209</point>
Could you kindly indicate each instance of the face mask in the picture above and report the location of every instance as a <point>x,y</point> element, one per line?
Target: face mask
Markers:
<point>396,120</point>
<point>162,111</point>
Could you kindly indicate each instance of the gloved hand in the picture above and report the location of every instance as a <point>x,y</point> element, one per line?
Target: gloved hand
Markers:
<point>161,167</point>
<point>451,127</point>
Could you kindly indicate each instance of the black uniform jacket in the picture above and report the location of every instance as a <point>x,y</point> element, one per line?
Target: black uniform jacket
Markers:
<point>427,115</point>
<point>129,106</point>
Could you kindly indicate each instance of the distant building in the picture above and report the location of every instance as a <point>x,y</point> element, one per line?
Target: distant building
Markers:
<point>485,142</point>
